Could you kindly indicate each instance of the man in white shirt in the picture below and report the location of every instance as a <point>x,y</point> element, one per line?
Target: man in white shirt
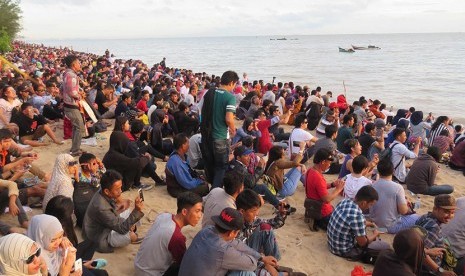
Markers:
<point>163,248</point>
<point>356,180</point>
<point>400,152</point>
<point>184,91</point>
<point>269,94</point>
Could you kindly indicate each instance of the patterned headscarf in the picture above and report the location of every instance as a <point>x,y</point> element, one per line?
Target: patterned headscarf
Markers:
<point>14,248</point>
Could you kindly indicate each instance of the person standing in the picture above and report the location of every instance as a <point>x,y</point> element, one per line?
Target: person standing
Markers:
<point>217,127</point>
<point>71,96</point>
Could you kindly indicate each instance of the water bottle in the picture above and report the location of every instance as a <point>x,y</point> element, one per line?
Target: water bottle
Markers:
<point>417,203</point>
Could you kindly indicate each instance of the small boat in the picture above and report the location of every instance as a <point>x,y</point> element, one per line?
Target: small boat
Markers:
<point>359,47</point>
<point>283,38</point>
<point>370,47</point>
<point>348,50</point>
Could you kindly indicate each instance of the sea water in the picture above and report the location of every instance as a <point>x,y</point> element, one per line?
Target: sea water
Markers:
<point>426,71</point>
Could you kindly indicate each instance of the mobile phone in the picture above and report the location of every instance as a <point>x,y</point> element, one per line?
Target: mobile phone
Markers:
<point>382,230</point>
<point>141,194</point>
<point>78,264</point>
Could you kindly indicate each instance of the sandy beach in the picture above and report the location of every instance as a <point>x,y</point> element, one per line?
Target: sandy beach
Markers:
<point>301,249</point>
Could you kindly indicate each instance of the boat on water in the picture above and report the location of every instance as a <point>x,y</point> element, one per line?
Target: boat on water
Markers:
<point>282,38</point>
<point>348,50</point>
<point>370,47</point>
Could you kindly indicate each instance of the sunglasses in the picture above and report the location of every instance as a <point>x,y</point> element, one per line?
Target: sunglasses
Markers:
<point>30,259</point>
<point>72,163</point>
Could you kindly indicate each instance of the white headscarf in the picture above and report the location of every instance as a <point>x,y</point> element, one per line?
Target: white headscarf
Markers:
<point>14,248</point>
<point>42,229</point>
<point>60,182</point>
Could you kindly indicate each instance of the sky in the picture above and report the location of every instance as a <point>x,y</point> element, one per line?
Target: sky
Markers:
<point>118,19</point>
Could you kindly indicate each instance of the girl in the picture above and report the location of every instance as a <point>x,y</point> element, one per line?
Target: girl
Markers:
<point>284,184</point>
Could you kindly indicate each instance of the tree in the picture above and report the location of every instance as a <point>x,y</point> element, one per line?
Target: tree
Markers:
<point>10,17</point>
<point>5,42</point>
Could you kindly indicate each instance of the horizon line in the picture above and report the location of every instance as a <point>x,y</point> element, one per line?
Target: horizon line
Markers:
<point>23,38</point>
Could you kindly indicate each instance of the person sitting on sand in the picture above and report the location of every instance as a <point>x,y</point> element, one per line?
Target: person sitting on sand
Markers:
<point>15,163</point>
<point>422,174</point>
<point>240,163</point>
<point>443,142</point>
<point>215,249</point>
<point>9,197</point>
<point>61,183</point>
<point>400,152</point>
<point>355,180</point>
<point>59,253</point>
<point>345,132</point>
<point>105,101</point>
<point>265,142</point>
<point>88,183</point>
<point>391,211</point>
<point>327,142</point>
<point>220,198</point>
<point>435,243</point>
<point>457,161</point>
<point>454,232</point>
<point>180,177</point>
<point>316,187</point>
<point>33,127</point>
<point>20,255</point>
<point>103,224</point>
<point>9,105</point>
<point>163,248</point>
<point>347,236</point>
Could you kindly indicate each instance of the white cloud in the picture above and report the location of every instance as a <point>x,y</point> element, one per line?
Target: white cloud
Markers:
<point>184,18</point>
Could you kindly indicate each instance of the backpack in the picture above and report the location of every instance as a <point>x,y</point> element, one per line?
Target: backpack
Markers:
<point>386,154</point>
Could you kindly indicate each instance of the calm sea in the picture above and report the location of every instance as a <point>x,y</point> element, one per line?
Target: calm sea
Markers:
<point>426,71</point>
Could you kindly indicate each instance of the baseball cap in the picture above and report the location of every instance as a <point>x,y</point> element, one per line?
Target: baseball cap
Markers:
<point>229,219</point>
<point>379,123</point>
<point>242,150</point>
<point>445,202</point>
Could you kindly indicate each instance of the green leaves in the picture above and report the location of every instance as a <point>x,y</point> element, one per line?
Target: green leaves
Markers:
<point>10,19</point>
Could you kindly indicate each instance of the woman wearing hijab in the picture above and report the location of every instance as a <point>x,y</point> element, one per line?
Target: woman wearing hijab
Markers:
<point>58,252</point>
<point>21,256</point>
<point>406,258</point>
<point>401,113</point>
<point>61,182</point>
<point>116,159</point>
<point>438,126</point>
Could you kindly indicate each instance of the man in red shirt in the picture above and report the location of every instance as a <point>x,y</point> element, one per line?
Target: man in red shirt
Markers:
<point>142,104</point>
<point>316,187</point>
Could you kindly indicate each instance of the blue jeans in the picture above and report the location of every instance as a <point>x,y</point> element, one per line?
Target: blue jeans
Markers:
<point>292,178</point>
<point>267,195</point>
<point>439,189</point>
<point>263,240</point>
<point>221,159</point>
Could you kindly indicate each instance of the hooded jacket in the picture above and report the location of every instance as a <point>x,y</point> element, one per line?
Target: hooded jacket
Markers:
<point>422,174</point>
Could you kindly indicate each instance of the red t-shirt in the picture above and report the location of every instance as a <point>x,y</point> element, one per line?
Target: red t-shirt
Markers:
<point>316,188</point>
<point>264,142</point>
<point>142,105</point>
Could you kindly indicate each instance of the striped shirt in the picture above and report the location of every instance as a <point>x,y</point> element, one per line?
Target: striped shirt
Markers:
<point>435,133</point>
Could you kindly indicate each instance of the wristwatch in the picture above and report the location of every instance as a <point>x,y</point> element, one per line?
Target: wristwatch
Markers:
<point>440,270</point>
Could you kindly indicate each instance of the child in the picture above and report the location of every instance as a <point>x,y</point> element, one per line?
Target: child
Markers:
<point>142,104</point>
<point>356,180</point>
<point>87,185</point>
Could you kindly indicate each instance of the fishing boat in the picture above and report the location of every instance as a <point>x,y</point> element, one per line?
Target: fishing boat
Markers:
<point>283,38</point>
<point>348,50</point>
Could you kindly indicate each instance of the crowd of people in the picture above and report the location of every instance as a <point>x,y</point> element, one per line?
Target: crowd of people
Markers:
<point>228,151</point>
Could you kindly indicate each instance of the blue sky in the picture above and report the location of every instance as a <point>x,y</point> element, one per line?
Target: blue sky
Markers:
<point>68,19</point>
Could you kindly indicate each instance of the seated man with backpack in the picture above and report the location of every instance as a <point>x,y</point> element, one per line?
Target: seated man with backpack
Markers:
<point>398,152</point>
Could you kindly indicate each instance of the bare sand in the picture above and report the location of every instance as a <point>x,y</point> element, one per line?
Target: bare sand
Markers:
<point>301,249</point>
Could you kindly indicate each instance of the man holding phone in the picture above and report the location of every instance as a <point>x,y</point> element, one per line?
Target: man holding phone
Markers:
<point>102,224</point>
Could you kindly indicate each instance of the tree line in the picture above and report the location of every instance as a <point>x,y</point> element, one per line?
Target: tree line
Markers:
<point>10,23</point>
